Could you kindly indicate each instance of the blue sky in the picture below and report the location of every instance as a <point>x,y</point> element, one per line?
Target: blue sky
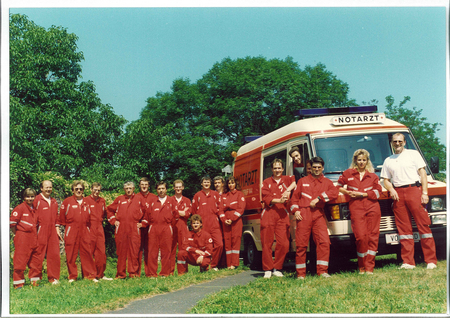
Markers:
<point>132,53</point>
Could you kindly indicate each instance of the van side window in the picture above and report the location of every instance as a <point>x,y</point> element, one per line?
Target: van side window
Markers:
<point>267,165</point>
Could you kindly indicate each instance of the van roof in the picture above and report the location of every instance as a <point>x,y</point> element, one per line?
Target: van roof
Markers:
<point>316,125</point>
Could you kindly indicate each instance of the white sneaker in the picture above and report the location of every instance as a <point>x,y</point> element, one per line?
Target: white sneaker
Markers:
<point>407,266</point>
<point>277,273</point>
<point>369,273</point>
<point>431,266</point>
<point>55,282</point>
<point>95,280</point>
<point>71,280</point>
<point>215,269</point>
<point>267,274</point>
<point>106,278</point>
<point>301,277</point>
<point>325,275</point>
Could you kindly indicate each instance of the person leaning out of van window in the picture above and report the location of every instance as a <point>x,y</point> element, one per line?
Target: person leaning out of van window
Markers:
<point>275,218</point>
<point>364,189</point>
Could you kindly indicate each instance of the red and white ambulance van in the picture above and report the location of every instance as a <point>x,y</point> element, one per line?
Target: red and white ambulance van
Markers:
<point>333,134</point>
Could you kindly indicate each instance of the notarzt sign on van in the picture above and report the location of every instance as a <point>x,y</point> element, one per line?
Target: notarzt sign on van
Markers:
<point>358,119</point>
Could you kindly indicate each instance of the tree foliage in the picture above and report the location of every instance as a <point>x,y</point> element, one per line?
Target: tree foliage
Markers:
<point>423,131</point>
<point>57,123</point>
<point>191,130</point>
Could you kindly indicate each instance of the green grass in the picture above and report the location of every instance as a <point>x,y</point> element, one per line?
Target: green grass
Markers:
<point>87,297</point>
<point>389,290</point>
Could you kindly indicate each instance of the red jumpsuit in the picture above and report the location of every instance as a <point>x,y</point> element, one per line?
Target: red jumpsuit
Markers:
<point>129,212</point>
<point>98,250</point>
<point>76,219</point>
<point>180,229</point>
<point>187,254</point>
<point>143,250</point>
<point>232,207</point>
<point>23,218</point>
<point>314,220</point>
<point>275,221</point>
<point>48,240</point>
<point>365,215</point>
<point>159,218</point>
<point>207,206</point>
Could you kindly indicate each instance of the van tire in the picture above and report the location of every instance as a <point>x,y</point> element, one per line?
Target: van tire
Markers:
<point>252,257</point>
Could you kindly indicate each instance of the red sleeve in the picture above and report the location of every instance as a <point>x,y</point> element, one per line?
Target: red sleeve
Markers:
<point>375,192</point>
<point>296,197</point>
<point>342,180</point>
<point>111,211</point>
<point>209,245</point>
<point>15,217</point>
<point>330,193</point>
<point>189,210</point>
<point>62,212</point>
<point>266,193</point>
<point>195,204</point>
<point>222,208</point>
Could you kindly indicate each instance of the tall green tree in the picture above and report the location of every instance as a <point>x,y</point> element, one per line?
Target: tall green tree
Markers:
<point>423,131</point>
<point>191,130</point>
<point>57,123</point>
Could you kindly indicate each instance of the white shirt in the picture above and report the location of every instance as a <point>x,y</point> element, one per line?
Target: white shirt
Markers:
<point>402,169</point>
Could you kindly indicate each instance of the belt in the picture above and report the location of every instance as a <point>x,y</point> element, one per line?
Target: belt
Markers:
<point>417,184</point>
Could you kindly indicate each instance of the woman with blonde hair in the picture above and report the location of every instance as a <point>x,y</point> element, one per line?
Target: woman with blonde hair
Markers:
<point>364,190</point>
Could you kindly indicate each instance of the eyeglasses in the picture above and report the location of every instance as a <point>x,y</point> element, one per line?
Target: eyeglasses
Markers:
<point>397,141</point>
<point>78,189</point>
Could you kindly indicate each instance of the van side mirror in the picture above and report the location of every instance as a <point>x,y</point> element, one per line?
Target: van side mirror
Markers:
<point>434,164</point>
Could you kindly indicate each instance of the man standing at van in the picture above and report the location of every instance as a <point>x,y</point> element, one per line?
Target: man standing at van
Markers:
<point>275,219</point>
<point>406,180</point>
<point>308,201</point>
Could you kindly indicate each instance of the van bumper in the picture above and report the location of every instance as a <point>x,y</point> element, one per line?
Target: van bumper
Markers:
<point>345,244</point>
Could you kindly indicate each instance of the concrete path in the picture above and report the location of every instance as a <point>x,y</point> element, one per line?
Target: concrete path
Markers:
<point>180,301</point>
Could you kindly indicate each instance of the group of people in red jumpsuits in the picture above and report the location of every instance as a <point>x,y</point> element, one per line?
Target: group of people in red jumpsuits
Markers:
<point>153,226</point>
<point>146,226</point>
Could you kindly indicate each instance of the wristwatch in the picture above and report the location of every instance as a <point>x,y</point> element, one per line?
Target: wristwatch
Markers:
<point>318,198</point>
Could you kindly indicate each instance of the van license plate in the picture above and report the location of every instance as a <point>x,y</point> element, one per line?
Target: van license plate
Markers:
<point>392,239</point>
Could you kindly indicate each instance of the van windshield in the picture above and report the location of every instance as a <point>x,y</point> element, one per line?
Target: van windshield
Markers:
<point>337,151</point>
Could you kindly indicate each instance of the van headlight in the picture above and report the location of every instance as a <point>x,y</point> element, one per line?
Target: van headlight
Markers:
<point>438,219</point>
<point>437,204</point>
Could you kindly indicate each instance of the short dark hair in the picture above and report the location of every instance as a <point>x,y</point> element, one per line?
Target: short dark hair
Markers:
<point>77,182</point>
<point>161,183</point>
<point>294,149</point>
<point>205,177</point>
<point>145,179</point>
<point>95,184</point>
<point>317,160</point>
<point>276,160</point>
<point>196,217</point>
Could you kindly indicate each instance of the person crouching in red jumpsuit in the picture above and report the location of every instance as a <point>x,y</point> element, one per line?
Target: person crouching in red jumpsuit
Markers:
<point>159,219</point>
<point>232,206</point>
<point>364,189</point>
<point>183,207</point>
<point>197,248</point>
<point>74,214</point>
<point>125,213</point>
<point>206,204</point>
<point>23,224</point>
<point>97,206</point>
<point>275,191</point>
<point>49,234</point>
<point>308,201</point>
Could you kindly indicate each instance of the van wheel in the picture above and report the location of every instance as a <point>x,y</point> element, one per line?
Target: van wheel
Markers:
<point>252,257</point>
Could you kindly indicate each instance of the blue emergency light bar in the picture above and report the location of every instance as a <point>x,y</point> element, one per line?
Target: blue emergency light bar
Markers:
<point>251,138</point>
<point>336,111</point>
